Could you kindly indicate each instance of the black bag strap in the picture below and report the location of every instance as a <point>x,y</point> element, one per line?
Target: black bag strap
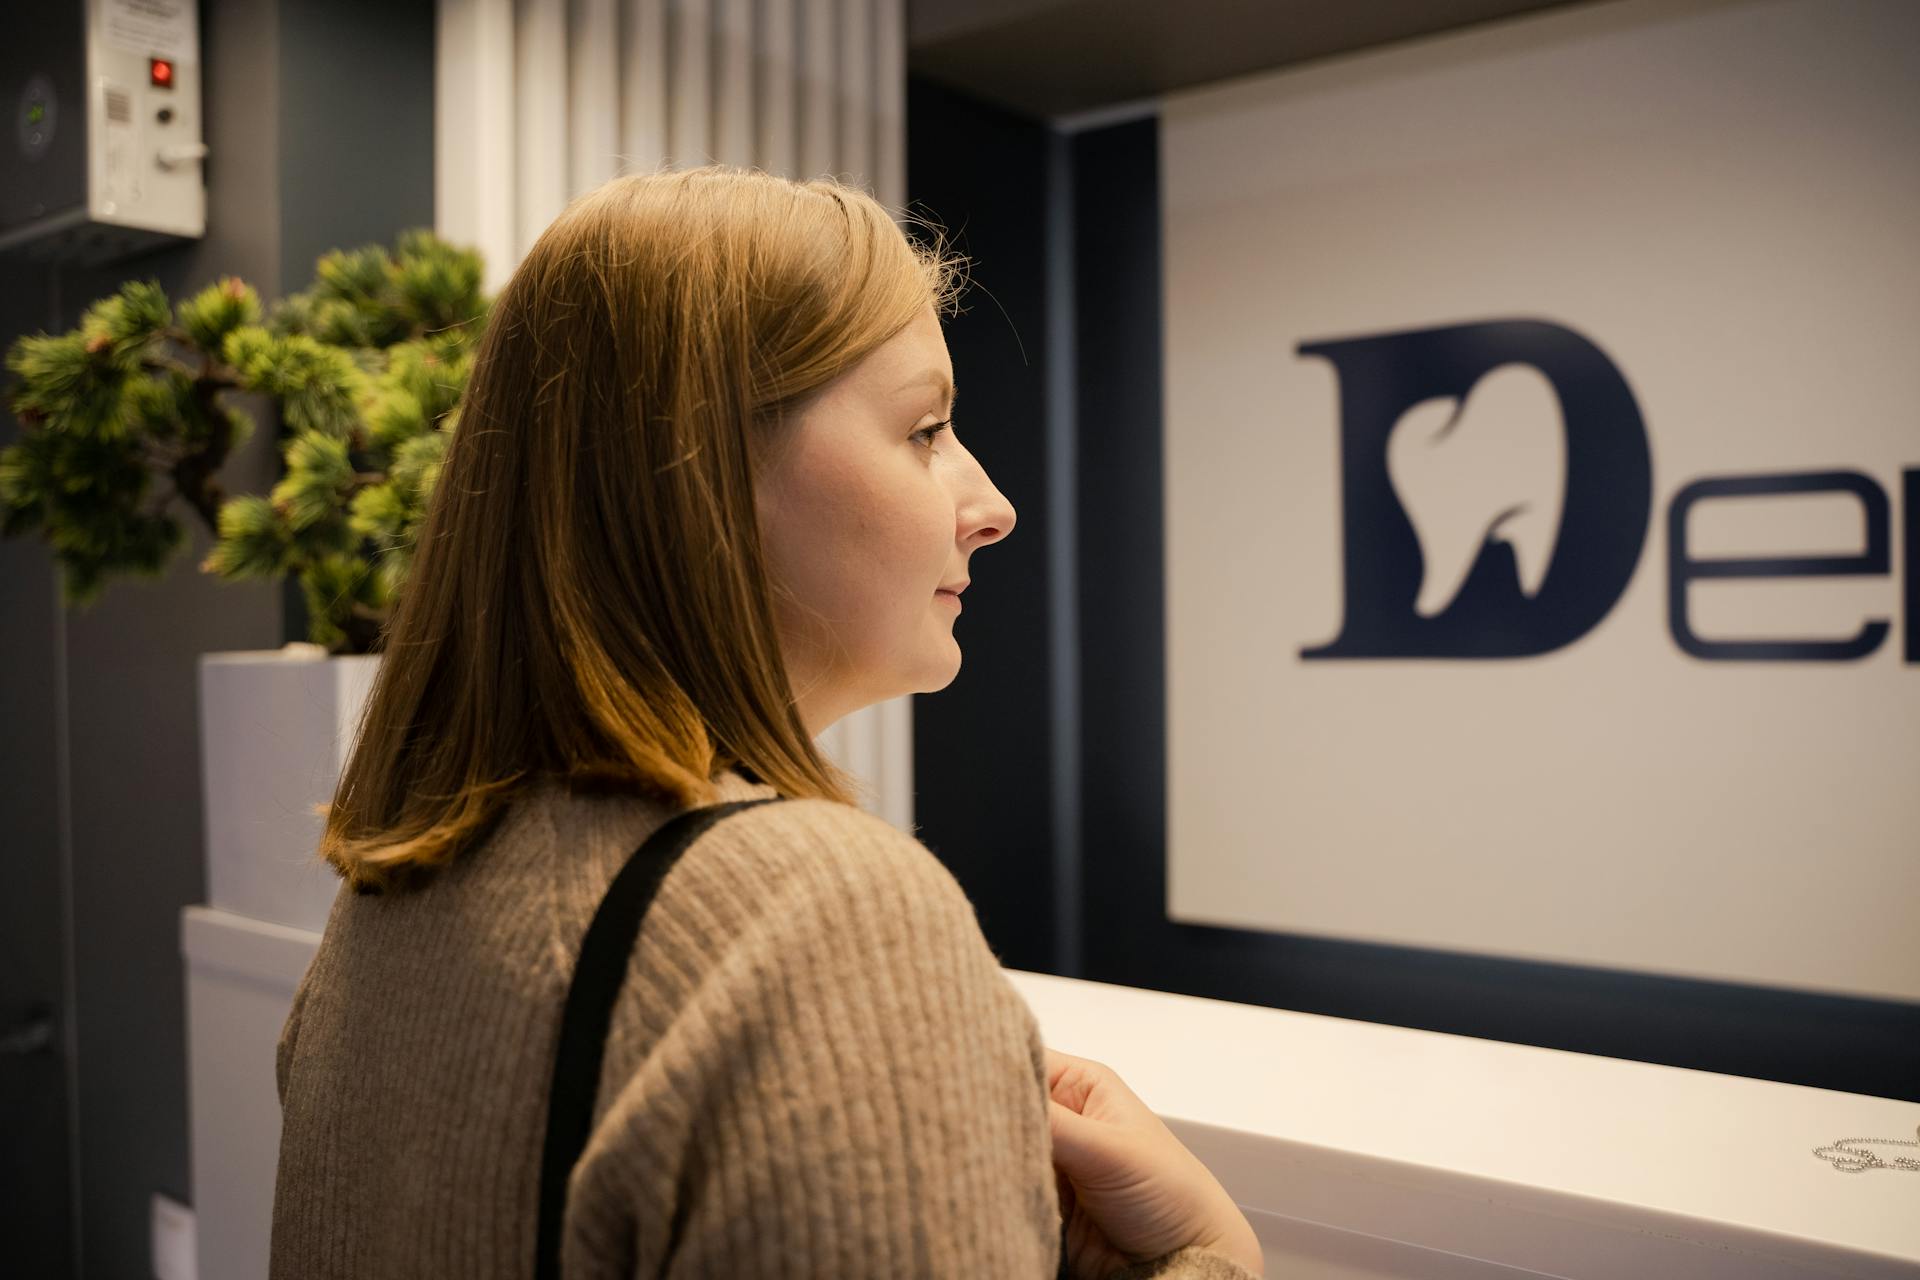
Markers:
<point>604,955</point>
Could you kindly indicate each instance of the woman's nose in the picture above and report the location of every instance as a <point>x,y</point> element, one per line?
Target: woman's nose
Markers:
<point>985,514</point>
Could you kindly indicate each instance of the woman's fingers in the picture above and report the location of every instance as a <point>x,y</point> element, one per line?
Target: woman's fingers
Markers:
<point>1058,1064</point>
<point>1095,1091</point>
<point>1097,1152</point>
<point>1081,1147</point>
<point>1134,1183</point>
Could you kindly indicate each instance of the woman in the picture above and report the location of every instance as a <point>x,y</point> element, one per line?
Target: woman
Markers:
<point>704,500</point>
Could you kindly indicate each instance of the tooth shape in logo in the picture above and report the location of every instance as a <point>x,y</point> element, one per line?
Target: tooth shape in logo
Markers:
<point>1491,468</point>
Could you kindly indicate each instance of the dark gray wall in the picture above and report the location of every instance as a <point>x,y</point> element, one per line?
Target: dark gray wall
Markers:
<point>983,747</point>
<point>319,124</point>
<point>355,125</point>
<point>35,1172</point>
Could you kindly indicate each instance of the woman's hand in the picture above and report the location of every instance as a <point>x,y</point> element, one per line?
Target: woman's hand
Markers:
<point>1129,1191</point>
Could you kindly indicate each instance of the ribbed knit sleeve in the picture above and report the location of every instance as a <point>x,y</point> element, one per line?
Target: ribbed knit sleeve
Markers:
<point>854,1090</point>
<point>1190,1263</point>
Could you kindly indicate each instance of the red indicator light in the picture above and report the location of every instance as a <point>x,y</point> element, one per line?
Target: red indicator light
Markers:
<point>161,69</point>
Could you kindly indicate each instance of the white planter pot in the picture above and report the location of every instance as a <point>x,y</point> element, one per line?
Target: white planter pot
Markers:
<point>276,727</point>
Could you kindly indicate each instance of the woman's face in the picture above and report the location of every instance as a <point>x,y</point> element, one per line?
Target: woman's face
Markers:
<point>866,515</point>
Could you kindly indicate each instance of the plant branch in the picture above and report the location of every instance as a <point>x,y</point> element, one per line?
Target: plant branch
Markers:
<point>193,474</point>
<point>366,629</point>
<point>172,364</point>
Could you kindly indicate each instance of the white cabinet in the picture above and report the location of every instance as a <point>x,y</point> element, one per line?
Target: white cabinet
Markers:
<point>241,975</point>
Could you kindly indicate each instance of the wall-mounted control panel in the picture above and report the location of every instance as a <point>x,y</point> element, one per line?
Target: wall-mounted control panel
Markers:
<point>102,154</point>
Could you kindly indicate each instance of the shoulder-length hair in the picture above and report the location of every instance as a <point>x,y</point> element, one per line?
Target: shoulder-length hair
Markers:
<point>589,600</point>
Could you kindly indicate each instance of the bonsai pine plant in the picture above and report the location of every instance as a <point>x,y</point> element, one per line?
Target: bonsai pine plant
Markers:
<point>130,417</point>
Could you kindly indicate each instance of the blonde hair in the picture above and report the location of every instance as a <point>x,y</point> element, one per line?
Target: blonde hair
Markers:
<point>589,598</point>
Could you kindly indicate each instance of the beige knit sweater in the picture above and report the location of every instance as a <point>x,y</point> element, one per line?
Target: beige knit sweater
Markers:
<point>816,1068</point>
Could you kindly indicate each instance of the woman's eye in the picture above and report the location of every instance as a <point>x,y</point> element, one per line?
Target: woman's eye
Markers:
<point>927,435</point>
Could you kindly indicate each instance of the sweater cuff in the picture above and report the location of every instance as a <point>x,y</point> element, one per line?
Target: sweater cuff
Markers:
<point>1190,1263</point>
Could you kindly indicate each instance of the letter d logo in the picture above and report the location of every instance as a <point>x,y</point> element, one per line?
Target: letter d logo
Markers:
<point>1476,525</point>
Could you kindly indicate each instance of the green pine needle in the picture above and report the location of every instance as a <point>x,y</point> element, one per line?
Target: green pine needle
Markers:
<point>217,310</point>
<point>319,477</point>
<point>254,541</point>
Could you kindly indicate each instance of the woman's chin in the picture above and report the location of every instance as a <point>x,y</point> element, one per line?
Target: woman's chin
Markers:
<point>943,672</point>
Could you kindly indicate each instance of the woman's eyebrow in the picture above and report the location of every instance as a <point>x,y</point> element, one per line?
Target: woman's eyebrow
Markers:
<point>937,380</point>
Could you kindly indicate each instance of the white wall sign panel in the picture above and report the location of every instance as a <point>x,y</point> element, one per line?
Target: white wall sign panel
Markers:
<point>1542,462</point>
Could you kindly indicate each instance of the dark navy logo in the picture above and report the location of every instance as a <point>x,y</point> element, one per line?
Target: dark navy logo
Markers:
<point>1442,562</point>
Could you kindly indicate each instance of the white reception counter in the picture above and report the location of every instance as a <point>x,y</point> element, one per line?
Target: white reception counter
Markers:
<point>1342,1138</point>
<point>1357,1150</point>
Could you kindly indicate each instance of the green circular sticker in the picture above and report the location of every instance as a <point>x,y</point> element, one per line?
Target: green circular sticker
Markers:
<point>36,118</point>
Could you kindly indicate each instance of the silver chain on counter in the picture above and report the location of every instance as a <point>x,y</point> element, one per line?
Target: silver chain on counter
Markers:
<point>1849,1155</point>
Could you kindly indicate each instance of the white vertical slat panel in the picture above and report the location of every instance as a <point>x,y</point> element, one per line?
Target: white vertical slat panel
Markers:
<point>473,152</point>
<point>893,762</point>
<point>775,102</point>
<point>593,93</point>
<point>889,758</point>
<point>890,102</point>
<point>862,743</point>
<point>818,53</point>
<point>689,83</point>
<point>874,743</point>
<point>831,742</point>
<point>643,85</point>
<point>853,145</point>
<point>540,101</point>
<point>733,82</point>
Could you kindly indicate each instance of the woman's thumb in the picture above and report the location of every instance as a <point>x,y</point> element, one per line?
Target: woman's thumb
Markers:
<point>1080,1146</point>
